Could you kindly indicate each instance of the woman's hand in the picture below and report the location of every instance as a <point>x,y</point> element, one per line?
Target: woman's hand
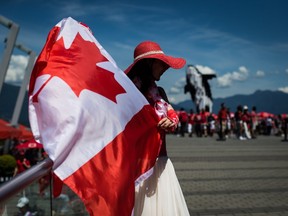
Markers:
<point>166,124</point>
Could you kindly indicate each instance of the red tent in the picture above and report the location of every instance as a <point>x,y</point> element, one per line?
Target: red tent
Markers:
<point>7,131</point>
<point>29,144</point>
<point>26,133</point>
<point>265,114</point>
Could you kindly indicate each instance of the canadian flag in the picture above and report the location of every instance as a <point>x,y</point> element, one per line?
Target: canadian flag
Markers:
<point>95,125</point>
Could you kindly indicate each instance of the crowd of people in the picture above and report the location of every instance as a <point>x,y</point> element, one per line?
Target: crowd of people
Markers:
<point>243,124</point>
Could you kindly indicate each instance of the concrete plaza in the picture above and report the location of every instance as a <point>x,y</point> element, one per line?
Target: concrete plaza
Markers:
<point>232,177</point>
<point>220,178</point>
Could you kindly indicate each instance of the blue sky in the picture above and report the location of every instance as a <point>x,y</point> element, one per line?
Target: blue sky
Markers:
<point>244,42</point>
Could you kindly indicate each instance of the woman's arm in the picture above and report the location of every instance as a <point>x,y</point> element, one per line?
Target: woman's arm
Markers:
<point>170,122</point>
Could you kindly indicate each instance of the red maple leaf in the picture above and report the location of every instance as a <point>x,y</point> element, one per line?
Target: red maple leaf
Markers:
<point>77,67</point>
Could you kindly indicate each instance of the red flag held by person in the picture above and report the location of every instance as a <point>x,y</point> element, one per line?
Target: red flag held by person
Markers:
<point>94,124</point>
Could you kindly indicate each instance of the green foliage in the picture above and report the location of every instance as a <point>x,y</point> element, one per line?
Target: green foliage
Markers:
<point>7,165</point>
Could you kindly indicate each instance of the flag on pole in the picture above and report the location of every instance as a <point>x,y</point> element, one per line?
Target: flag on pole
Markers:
<point>94,124</point>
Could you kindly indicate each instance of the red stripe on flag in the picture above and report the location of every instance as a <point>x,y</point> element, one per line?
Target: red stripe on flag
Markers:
<point>106,183</point>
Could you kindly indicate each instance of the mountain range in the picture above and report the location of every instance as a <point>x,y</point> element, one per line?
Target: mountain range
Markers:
<point>275,102</point>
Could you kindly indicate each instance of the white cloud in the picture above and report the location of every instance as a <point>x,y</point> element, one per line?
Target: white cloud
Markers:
<point>17,67</point>
<point>286,70</point>
<point>178,86</point>
<point>174,90</point>
<point>283,89</point>
<point>260,73</point>
<point>227,79</point>
<point>124,46</point>
<point>205,69</point>
<point>181,82</point>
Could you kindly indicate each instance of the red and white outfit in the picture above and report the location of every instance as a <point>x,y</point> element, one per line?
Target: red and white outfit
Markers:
<point>190,123</point>
<point>160,193</point>
<point>253,115</point>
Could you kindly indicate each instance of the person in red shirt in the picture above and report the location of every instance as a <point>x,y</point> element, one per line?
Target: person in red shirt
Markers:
<point>197,120</point>
<point>183,119</point>
<point>239,122</point>
<point>191,116</point>
<point>22,163</point>
<point>210,125</point>
<point>203,122</point>
<point>222,118</point>
<point>246,119</point>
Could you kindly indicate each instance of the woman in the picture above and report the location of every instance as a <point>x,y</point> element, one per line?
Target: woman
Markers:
<point>160,193</point>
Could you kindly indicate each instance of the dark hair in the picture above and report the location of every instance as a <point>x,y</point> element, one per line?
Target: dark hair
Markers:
<point>239,108</point>
<point>143,70</point>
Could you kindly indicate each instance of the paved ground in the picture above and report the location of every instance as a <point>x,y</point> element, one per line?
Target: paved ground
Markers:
<point>224,178</point>
<point>232,177</point>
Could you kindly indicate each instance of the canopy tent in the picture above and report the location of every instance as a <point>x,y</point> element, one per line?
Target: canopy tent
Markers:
<point>7,131</point>
<point>26,133</point>
<point>265,114</point>
<point>31,144</point>
<point>21,132</point>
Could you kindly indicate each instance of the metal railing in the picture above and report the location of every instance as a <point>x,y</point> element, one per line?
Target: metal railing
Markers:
<point>24,179</point>
<point>41,201</point>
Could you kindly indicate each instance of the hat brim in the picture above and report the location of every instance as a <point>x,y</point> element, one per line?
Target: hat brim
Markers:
<point>21,205</point>
<point>173,62</point>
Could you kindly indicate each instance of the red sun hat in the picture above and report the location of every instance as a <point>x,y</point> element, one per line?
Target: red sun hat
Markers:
<point>150,49</point>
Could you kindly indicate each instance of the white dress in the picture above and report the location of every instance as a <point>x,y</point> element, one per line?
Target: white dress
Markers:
<point>160,194</point>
